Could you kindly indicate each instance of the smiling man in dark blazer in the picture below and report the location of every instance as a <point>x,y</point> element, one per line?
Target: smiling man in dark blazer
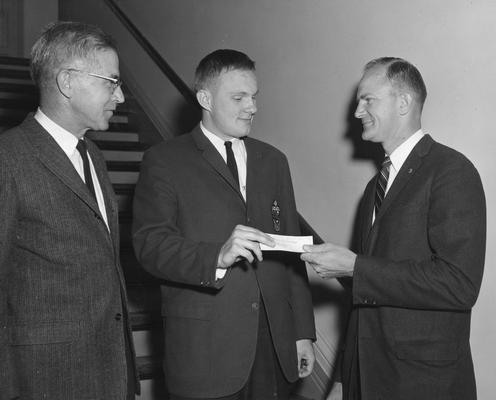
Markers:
<point>417,274</point>
<point>64,333</point>
<point>237,325</point>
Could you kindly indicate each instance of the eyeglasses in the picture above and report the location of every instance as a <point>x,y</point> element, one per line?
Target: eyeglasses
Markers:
<point>115,82</point>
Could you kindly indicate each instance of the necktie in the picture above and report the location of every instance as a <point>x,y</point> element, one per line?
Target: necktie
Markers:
<point>380,189</point>
<point>81,147</point>
<point>231,161</point>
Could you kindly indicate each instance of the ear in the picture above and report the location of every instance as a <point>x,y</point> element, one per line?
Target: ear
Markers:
<point>405,103</point>
<point>64,83</point>
<point>205,99</point>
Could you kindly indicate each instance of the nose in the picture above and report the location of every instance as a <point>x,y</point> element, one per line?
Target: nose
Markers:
<point>251,106</point>
<point>118,95</point>
<point>360,110</point>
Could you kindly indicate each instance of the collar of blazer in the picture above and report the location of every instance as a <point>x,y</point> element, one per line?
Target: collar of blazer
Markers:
<point>408,169</point>
<point>216,161</point>
<point>46,149</point>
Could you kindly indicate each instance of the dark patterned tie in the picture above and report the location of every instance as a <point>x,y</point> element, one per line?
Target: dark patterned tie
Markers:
<point>231,161</point>
<point>380,189</point>
<point>81,146</point>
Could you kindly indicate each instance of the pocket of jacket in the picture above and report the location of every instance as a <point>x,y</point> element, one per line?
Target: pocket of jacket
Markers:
<point>44,332</point>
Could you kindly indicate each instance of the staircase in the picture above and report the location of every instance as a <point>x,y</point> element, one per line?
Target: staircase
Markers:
<point>123,150</point>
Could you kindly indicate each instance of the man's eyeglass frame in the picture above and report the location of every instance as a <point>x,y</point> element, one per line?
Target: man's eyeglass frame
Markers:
<point>116,82</point>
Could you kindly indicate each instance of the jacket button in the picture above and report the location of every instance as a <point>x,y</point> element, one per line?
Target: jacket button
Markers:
<point>118,316</point>
<point>255,306</point>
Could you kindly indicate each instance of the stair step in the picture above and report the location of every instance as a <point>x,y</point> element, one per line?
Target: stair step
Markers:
<point>18,88</point>
<point>119,119</point>
<point>124,197</point>
<point>19,103</point>
<point>4,60</point>
<point>107,136</point>
<point>149,342</point>
<point>123,155</point>
<point>134,273</point>
<point>120,166</point>
<point>20,74</point>
<point>14,113</point>
<point>145,321</point>
<point>123,177</point>
<point>150,367</point>
<point>120,126</point>
<point>124,189</point>
<point>125,217</point>
<point>143,298</point>
<point>118,145</point>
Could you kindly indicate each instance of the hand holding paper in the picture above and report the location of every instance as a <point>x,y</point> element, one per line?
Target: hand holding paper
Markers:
<point>288,243</point>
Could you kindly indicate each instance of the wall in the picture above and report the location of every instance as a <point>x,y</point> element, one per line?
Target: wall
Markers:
<point>309,57</point>
<point>36,15</point>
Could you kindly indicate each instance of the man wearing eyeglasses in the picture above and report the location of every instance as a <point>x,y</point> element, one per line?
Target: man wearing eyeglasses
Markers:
<point>64,332</point>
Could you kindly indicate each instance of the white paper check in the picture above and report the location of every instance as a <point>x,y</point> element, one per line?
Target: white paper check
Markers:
<point>288,243</point>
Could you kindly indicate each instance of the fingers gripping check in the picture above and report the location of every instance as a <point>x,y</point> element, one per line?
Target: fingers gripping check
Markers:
<point>244,243</point>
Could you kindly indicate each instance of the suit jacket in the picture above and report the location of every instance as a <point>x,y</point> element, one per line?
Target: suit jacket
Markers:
<point>186,207</point>
<point>62,294</point>
<point>416,280</point>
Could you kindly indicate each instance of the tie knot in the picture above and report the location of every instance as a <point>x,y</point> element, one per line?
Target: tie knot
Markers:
<point>386,163</point>
<point>81,146</point>
<point>228,144</point>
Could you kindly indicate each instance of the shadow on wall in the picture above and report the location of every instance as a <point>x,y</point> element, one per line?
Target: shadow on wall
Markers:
<point>185,117</point>
<point>362,151</point>
<point>323,294</point>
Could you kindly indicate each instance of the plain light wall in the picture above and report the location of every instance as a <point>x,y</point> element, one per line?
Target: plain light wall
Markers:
<point>309,56</point>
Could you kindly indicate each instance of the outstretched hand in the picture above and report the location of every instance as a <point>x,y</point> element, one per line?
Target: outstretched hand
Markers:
<point>244,243</point>
<point>330,260</point>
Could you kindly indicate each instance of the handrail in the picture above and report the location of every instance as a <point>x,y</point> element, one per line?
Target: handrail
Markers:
<point>154,54</point>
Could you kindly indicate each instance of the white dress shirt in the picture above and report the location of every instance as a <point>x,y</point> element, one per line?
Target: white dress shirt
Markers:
<point>400,154</point>
<point>239,150</point>
<point>398,158</point>
<point>68,142</point>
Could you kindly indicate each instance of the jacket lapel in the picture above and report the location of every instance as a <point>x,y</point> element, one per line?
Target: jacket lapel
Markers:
<point>212,156</point>
<point>406,172</point>
<point>46,149</point>
<point>368,210</point>
<point>111,206</point>
<point>254,168</point>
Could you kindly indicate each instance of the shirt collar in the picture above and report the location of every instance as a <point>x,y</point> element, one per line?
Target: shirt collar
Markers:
<point>218,142</point>
<point>400,154</point>
<point>65,139</point>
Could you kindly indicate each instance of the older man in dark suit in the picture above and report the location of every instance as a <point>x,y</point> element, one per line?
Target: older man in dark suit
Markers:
<point>417,274</point>
<point>237,326</point>
<point>64,330</point>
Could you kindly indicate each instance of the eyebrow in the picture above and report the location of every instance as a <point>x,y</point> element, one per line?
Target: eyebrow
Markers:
<point>242,92</point>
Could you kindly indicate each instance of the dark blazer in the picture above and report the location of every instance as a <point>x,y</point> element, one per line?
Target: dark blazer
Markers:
<point>416,280</point>
<point>186,206</point>
<point>62,293</point>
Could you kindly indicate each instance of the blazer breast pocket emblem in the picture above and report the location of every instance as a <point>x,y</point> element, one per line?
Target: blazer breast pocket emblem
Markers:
<point>276,211</point>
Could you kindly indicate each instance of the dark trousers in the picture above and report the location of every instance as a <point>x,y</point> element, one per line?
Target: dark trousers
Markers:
<point>266,380</point>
